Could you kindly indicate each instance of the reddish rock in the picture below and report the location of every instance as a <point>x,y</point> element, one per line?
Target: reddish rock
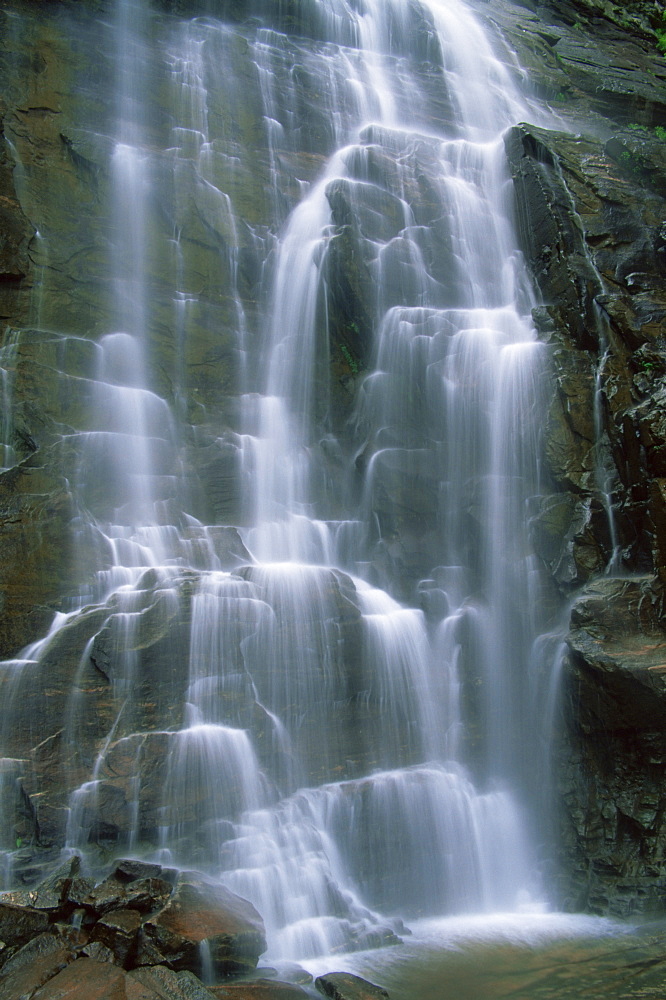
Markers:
<point>200,912</point>
<point>85,979</point>
<point>33,965</point>
<point>259,989</point>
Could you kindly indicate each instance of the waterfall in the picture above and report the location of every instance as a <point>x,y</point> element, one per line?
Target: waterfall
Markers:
<point>323,699</point>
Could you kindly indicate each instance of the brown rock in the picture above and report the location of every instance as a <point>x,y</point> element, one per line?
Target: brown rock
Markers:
<point>259,989</point>
<point>85,979</point>
<point>201,912</point>
<point>34,964</point>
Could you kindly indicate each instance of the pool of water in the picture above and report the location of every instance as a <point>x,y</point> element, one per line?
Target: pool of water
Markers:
<point>517,957</point>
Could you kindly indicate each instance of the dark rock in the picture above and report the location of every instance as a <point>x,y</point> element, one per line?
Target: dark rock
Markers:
<point>118,930</point>
<point>107,895</point>
<point>54,893</point>
<point>129,870</point>
<point>613,759</point>
<point>344,986</point>
<point>168,984</point>
<point>142,894</point>
<point>33,965</point>
<point>19,924</point>
<point>98,951</point>
<point>202,913</point>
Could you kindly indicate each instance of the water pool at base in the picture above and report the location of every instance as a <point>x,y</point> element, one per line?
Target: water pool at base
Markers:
<point>516,956</point>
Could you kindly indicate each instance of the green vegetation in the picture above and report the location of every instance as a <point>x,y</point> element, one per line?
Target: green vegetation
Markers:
<point>659,131</point>
<point>347,355</point>
<point>661,35</point>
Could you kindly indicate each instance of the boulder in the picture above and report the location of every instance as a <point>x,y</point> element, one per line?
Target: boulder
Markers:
<point>345,986</point>
<point>144,895</point>
<point>202,915</point>
<point>87,979</point>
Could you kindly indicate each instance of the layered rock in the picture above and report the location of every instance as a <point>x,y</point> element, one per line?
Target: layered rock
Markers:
<point>590,208</point>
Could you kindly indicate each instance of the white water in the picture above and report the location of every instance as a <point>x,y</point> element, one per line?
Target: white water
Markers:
<point>355,744</point>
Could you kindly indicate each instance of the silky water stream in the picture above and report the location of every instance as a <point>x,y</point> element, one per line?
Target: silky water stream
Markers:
<point>329,701</point>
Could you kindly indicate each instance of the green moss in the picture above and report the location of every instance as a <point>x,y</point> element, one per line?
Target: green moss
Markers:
<point>353,364</point>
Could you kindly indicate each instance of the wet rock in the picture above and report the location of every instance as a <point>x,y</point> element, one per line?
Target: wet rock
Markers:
<point>118,930</point>
<point>34,964</point>
<point>259,989</point>
<point>57,894</point>
<point>15,233</point>
<point>345,986</point>
<point>294,974</point>
<point>85,979</point>
<point>167,984</point>
<point>98,951</point>
<point>19,924</point>
<point>201,914</point>
<point>143,895</point>
<point>612,768</point>
<point>129,870</point>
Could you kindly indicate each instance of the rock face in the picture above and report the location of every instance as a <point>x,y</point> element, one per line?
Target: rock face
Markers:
<point>612,777</point>
<point>590,206</point>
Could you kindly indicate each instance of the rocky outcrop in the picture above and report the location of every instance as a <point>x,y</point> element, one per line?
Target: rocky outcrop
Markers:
<point>142,932</point>
<point>612,767</point>
<point>590,208</point>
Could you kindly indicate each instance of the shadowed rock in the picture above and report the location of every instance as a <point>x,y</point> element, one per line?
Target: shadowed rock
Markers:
<point>344,986</point>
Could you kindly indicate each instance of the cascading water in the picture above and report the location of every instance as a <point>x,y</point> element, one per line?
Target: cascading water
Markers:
<point>341,726</point>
